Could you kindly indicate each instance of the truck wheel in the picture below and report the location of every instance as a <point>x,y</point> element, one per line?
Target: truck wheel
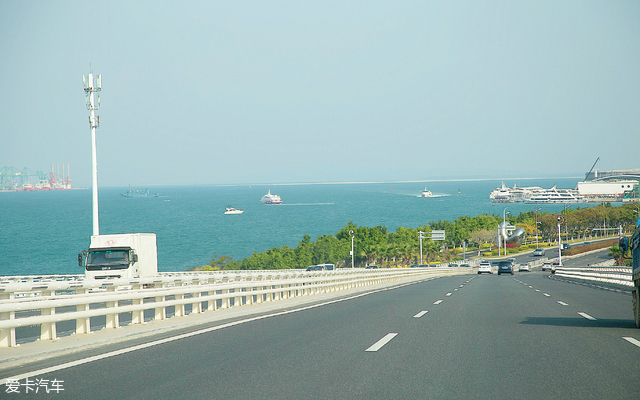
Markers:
<point>636,306</point>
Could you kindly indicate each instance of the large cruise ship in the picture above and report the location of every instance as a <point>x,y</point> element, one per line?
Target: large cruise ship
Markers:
<point>271,198</point>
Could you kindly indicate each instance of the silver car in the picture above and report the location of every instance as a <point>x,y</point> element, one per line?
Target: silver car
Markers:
<point>524,267</point>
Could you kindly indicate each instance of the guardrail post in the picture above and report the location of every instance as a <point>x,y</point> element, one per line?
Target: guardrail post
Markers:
<point>113,319</point>
<point>7,336</point>
<point>179,308</point>
<point>196,308</point>
<point>83,325</point>
<point>48,329</point>
<point>137,317</point>
<point>159,312</point>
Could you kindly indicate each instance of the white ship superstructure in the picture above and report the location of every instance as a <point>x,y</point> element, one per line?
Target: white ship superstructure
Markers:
<point>555,195</point>
<point>271,198</point>
<point>514,194</point>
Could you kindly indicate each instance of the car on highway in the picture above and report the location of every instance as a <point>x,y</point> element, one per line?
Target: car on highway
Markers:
<point>464,265</point>
<point>484,268</point>
<point>565,246</point>
<point>524,267</point>
<point>371,267</point>
<point>538,252</point>
<point>546,266</point>
<point>505,267</point>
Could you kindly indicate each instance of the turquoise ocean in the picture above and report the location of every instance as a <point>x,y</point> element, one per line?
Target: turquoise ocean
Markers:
<point>43,232</point>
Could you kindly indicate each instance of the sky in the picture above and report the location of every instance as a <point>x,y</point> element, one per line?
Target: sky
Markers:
<point>263,92</point>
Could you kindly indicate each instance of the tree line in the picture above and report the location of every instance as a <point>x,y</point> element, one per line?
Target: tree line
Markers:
<point>377,246</point>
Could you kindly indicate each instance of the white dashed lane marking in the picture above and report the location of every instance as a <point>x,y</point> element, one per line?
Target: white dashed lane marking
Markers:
<point>438,302</point>
<point>378,345</point>
<point>587,316</point>
<point>562,303</point>
<point>632,340</point>
<point>546,294</point>
<point>420,314</point>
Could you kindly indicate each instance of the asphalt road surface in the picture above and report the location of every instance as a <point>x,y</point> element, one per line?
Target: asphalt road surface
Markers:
<point>525,336</point>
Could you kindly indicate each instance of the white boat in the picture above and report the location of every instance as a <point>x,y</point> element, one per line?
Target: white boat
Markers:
<point>231,210</point>
<point>426,193</point>
<point>555,195</point>
<point>514,194</point>
<point>271,198</point>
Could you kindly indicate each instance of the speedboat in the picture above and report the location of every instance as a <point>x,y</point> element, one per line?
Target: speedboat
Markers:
<point>231,210</point>
<point>271,198</point>
<point>426,193</point>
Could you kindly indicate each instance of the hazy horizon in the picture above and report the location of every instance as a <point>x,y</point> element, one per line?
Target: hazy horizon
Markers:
<point>217,93</point>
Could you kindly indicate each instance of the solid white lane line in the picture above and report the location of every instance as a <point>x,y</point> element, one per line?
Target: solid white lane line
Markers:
<point>420,314</point>
<point>632,340</point>
<point>587,316</point>
<point>378,345</point>
<point>562,303</point>
<point>548,295</point>
<point>438,302</point>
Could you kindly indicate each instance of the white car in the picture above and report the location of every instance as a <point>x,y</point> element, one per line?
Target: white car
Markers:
<point>484,267</point>
<point>524,267</point>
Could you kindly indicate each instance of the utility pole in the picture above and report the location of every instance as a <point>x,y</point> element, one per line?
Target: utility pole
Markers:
<point>93,85</point>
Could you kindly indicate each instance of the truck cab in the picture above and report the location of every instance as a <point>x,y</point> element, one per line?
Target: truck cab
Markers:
<point>129,255</point>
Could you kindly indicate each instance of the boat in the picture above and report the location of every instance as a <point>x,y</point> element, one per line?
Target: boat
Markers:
<point>554,195</point>
<point>231,210</point>
<point>504,194</point>
<point>426,193</point>
<point>271,198</point>
<point>137,193</point>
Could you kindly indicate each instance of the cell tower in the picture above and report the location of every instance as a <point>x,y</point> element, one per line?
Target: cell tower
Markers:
<point>92,86</point>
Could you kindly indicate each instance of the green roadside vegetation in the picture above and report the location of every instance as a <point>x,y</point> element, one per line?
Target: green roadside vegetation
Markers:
<point>377,246</point>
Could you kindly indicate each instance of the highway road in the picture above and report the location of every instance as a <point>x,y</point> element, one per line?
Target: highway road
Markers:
<point>525,336</point>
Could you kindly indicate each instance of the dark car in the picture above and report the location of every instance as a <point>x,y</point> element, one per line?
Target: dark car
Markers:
<point>371,267</point>
<point>505,267</point>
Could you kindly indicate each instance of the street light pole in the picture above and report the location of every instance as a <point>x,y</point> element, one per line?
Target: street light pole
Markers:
<point>536,212</point>
<point>420,237</point>
<point>560,221</point>
<point>504,229</point>
<point>351,234</point>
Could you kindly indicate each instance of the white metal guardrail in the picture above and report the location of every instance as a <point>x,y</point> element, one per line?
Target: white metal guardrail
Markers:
<point>616,276</point>
<point>59,299</point>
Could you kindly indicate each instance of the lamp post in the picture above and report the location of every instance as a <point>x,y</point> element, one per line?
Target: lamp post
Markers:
<point>560,221</point>
<point>536,212</point>
<point>351,234</point>
<point>420,237</point>
<point>504,229</point>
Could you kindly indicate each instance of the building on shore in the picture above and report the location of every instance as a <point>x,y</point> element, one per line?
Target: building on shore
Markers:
<point>615,174</point>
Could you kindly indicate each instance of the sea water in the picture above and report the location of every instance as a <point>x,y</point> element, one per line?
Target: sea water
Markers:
<point>43,232</point>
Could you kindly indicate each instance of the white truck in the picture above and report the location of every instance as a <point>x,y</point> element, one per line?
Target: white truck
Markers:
<point>127,255</point>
